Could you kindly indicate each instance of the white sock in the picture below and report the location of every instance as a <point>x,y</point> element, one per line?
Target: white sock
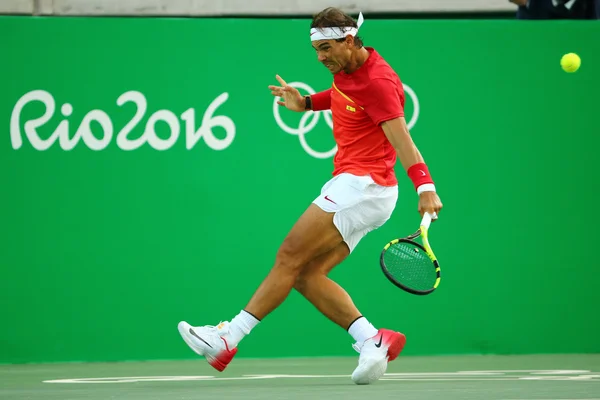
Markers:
<point>361,330</point>
<point>240,326</point>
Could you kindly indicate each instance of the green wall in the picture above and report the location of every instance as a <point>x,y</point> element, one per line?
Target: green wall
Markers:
<point>109,240</point>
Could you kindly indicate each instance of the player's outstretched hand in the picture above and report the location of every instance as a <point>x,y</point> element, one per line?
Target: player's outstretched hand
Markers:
<point>431,203</point>
<point>292,99</point>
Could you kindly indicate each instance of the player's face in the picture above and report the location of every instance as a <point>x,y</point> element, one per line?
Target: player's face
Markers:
<point>332,54</point>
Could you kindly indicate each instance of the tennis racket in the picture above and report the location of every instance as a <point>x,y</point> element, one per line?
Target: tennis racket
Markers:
<point>412,266</point>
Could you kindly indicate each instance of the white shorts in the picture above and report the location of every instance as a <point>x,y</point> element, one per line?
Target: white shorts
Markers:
<point>360,205</point>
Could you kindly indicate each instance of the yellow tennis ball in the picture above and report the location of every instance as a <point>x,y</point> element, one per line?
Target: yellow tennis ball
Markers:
<point>570,62</point>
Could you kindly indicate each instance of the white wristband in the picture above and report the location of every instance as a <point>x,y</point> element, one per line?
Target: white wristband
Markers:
<point>427,187</point>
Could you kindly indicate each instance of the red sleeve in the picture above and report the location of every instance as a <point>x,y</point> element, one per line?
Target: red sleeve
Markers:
<point>321,100</point>
<point>385,100</point>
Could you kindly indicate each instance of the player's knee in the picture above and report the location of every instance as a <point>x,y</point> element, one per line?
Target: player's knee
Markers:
<point>303,282</point>
<point>289,258</point>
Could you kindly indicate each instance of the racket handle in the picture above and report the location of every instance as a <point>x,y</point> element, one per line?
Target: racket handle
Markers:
<point>426,221</point>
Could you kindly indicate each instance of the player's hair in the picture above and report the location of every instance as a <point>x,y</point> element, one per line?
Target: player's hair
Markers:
<point>332,17</point>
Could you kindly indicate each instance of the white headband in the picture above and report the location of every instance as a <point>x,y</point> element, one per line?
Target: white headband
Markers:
<point>335,33</point>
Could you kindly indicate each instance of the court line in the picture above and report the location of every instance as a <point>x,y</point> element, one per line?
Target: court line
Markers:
<point>517,375</point>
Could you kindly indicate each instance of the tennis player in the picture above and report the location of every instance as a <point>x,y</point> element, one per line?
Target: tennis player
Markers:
<point>366,100</point>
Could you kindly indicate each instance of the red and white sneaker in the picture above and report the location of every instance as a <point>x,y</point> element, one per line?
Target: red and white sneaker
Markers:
<point>208,341</point>
<point>375,353</point>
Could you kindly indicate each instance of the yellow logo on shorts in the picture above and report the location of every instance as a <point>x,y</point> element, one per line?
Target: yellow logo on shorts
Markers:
<point>350,108</point>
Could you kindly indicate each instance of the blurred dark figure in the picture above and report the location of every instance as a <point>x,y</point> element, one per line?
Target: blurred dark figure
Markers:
<point>558,9</point>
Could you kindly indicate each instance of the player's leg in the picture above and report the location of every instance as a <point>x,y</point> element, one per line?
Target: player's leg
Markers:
<point>330,298</point>
<point>376,346</point>
<point>312,235</point>
<point>326,295</point>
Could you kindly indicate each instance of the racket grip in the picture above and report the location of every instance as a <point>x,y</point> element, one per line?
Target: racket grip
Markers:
<point>426,221</point>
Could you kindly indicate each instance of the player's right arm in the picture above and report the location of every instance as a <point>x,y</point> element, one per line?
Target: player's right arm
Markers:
<point>293,100</point>
<point>386,110</point>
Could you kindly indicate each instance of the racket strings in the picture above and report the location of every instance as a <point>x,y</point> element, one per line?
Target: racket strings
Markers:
<point>410,266</point>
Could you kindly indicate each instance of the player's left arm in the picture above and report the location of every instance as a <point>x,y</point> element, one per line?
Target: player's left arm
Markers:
<point>386,110</point>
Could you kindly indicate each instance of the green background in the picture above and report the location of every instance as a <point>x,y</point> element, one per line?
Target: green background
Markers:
<point>104,252</point>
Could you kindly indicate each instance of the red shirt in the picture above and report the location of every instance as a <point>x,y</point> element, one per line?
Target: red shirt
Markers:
<point>359,103</point>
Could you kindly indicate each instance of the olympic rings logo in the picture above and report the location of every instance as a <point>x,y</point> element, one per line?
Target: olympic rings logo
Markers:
<point>310,119</point>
